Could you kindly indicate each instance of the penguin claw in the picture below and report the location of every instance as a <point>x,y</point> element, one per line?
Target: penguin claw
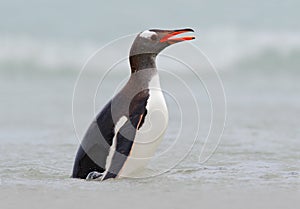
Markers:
<point>94,175</point>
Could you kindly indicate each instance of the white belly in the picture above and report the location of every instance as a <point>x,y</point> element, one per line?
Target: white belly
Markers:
<point>149,136</point>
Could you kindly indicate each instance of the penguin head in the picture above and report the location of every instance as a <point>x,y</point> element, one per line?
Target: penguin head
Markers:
<point>153,41</point>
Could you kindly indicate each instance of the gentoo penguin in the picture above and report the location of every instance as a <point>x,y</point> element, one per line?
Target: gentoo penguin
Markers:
<point>125,134</point>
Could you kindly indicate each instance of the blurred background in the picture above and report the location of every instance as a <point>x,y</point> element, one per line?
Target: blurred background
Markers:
<point>58,35</point>
<point>254,45</point>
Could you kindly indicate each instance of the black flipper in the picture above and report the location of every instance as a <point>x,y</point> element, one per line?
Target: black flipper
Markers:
<point>126,134</point>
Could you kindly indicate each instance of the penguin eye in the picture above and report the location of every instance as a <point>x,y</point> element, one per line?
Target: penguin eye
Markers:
<point>154,37</point>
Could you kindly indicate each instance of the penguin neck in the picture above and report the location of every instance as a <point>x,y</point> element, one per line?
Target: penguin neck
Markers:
<point>142,61</point>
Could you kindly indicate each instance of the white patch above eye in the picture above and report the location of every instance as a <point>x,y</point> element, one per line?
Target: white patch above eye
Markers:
<point>147,34</point>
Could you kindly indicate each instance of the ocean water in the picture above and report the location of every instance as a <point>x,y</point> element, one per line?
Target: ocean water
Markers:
<point>46,107</point>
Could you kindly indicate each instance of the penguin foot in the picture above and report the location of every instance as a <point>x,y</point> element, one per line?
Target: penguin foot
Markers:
<point>94,175</point>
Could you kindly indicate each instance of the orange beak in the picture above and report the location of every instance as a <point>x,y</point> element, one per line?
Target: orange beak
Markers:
<point>168,36</point>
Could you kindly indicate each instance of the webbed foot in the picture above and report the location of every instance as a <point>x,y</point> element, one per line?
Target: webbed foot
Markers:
<point>94,175</point>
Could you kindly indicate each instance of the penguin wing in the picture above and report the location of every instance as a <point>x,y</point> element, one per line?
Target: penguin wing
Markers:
<point>125,135</point>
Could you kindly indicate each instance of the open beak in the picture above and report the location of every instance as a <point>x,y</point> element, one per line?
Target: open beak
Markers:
<point>169,37</point>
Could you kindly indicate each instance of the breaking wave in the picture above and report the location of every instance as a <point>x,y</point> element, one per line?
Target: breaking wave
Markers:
<point>228,49</point>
